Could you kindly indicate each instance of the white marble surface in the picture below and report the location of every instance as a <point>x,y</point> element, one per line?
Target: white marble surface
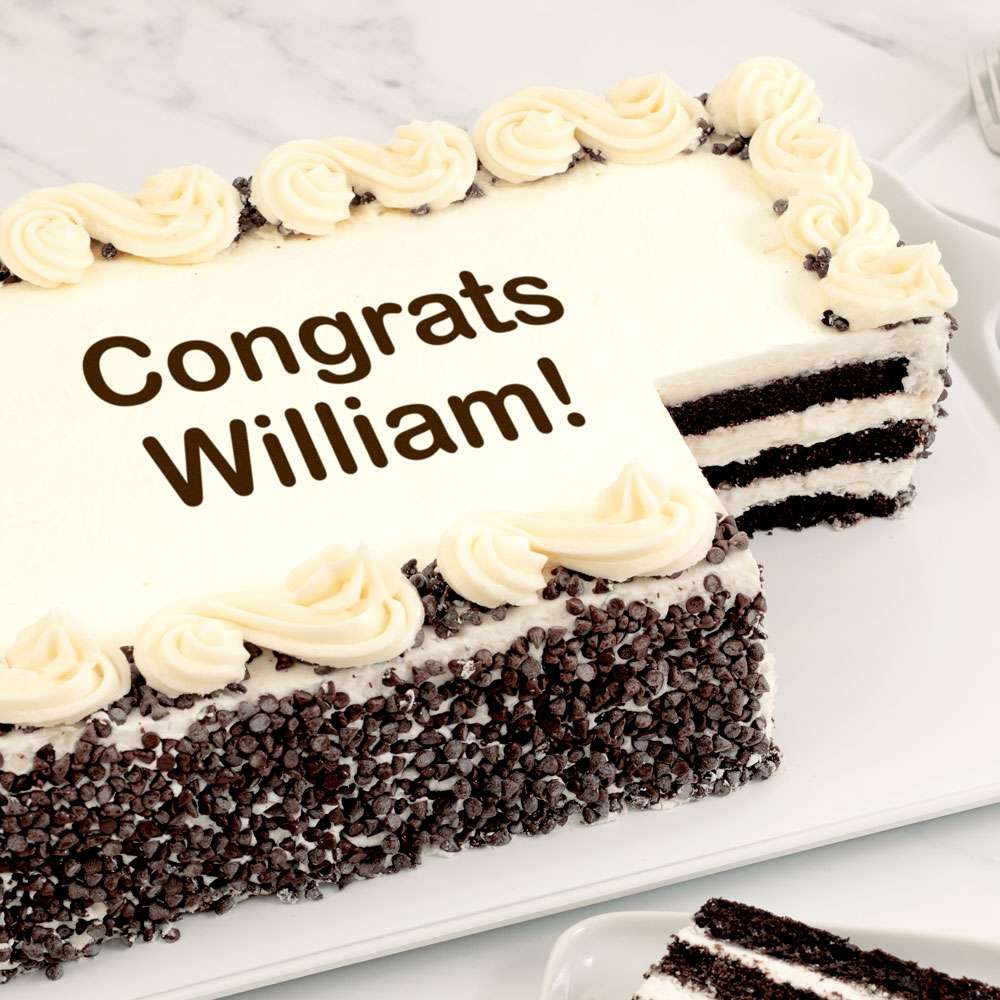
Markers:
<point>941,877</point>
<point>110,91</point>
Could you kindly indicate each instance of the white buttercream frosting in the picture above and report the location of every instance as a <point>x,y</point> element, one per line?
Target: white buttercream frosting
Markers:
<point>342,608</point>
<point>759,89</point>
<point>308,186</point>
<point>828,217</point>
<point>490,561</point>
<point>536,132</point>
<point>302,186</point>
<point>639,526</point>
<point>180,652</point>
<point>56,673</point>
<point>790,154</point>
<point>871,285</point>
<point>181,216</point>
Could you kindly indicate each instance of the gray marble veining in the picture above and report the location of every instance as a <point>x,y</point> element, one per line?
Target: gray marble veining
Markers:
<point>112,90</point>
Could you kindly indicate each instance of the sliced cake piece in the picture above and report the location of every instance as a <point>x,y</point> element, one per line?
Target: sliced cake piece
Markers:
<point>732,951</point>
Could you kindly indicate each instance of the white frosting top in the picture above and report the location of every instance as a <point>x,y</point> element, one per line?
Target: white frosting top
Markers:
<point>308,186</point>
<point>387,299</point>
<point>536,132</point>
<point>489,560</point>
<point>638,526</point>
<point>190,214</point>
<point>759,89</point>
<point>56,673</point>
<point>829,217</point>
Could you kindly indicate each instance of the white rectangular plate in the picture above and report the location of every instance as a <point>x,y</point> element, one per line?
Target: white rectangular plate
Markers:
<point>604,958</point>
<point>886,714</point>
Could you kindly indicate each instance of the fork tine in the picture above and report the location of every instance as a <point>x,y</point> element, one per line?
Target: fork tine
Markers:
<point>978,94</point>
<point>994,85</point>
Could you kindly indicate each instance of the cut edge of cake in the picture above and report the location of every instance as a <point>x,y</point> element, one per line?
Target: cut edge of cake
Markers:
<point>732,949</point>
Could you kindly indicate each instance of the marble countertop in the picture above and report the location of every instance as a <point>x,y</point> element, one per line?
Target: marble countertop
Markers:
<point>112,90</point>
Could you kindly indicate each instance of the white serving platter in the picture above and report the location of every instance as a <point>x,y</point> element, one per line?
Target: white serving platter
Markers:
<point>889,691</point>
<point>604,958</point>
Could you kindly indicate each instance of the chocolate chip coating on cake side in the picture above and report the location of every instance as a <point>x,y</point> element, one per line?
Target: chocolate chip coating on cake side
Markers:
<point>618,706</point>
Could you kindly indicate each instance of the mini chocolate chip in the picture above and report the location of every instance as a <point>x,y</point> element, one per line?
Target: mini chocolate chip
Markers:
<point>259,723</point>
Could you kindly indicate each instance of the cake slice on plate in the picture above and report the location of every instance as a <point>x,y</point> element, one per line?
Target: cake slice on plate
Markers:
<point>731,950</point>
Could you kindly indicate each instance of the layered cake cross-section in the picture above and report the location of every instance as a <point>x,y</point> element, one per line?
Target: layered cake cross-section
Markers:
<point>732,950</point>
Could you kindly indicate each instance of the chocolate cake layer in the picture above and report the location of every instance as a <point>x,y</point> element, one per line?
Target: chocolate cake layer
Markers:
<point>828,954</point>
<point>840,510</point>
<point>723,978</point>
<point>857,380</point>
<point>161,807</point>
<point>888,442</point>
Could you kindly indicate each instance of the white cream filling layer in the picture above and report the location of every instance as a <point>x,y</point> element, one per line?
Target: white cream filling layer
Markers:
<point>925,346</point>
<point>862,479</point>
<point>661,987</point>
<point>677,229</point>
<point>808,427</point>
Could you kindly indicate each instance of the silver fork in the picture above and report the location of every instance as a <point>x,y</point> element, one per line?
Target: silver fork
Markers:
<point>989,115</point>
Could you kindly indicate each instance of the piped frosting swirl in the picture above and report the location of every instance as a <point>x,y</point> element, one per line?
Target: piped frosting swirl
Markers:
<point>190,214</point>
<point>639,526</point>
<point>308,186</point>
<point>184,652</point>
<point>56,673</point>
<point>342,608</point>
<point>537,132</point>
<point>818,172</point>
<point>760,89</point>
<point>490,561</point>
<point>181,216</point>
<point>791,154</point>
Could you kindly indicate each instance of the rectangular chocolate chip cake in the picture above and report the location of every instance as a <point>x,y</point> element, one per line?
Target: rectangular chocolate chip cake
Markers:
<point>436,388</point>
<point>732,950</point>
